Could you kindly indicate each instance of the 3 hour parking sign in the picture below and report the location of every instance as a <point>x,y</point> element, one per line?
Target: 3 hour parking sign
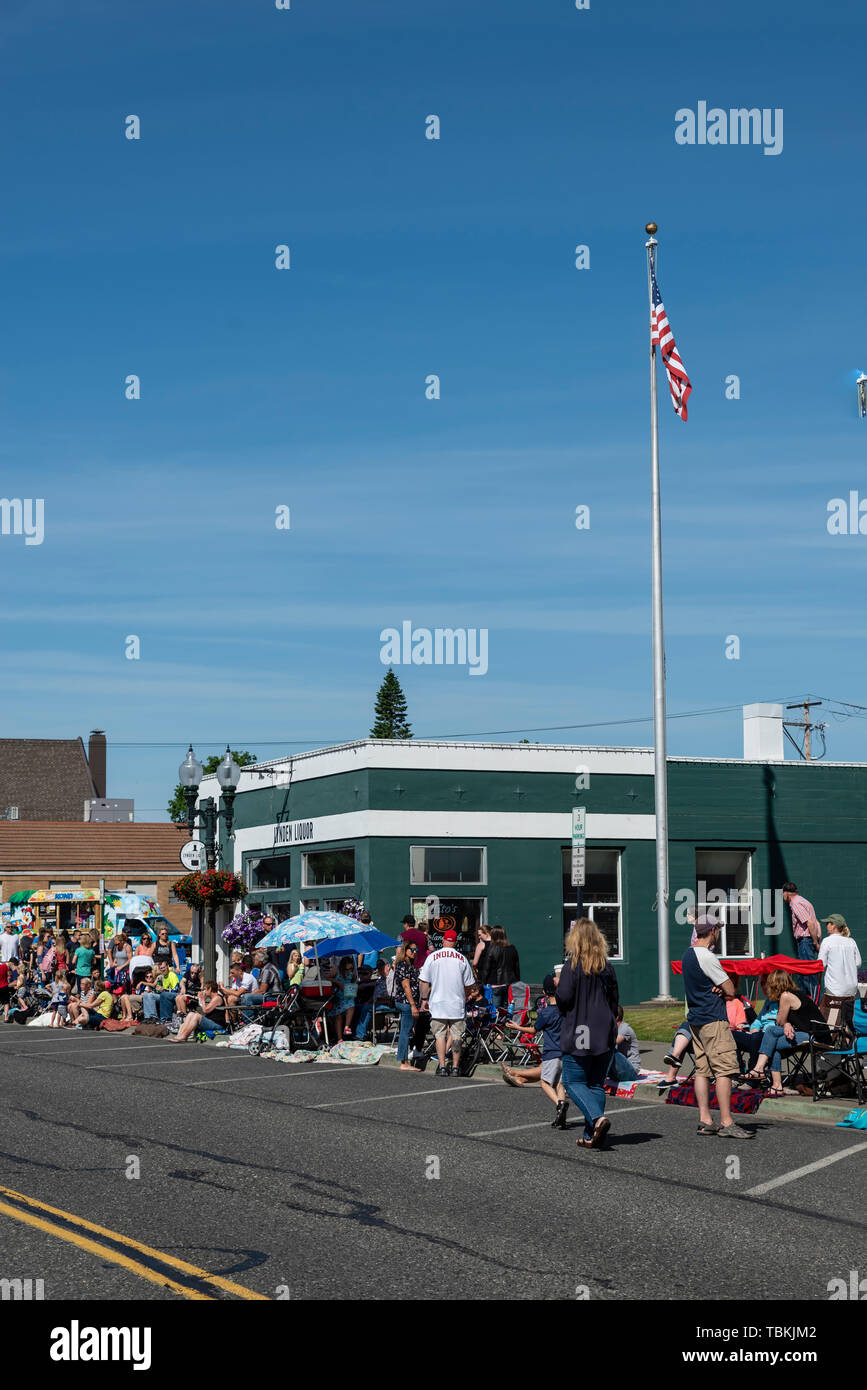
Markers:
<point>579,817</point>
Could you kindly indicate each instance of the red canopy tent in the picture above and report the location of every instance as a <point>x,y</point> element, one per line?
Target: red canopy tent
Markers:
<point>764,966</point>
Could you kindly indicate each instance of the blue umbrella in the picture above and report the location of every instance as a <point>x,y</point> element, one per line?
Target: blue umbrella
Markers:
<point>309,926</point>
<point>356,943</point>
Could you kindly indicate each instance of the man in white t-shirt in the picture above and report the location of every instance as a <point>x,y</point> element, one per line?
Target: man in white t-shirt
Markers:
<point>8,944</point>
<point>446,978</point>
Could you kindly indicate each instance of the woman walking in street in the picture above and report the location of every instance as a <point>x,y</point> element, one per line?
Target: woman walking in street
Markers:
<point>587,997</point>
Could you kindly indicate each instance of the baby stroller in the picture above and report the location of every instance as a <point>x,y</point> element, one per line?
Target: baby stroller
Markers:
<point>32,999</point>
<point>273,1015</point>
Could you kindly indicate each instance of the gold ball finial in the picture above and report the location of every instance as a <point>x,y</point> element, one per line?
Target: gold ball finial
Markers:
<point>651,229</point>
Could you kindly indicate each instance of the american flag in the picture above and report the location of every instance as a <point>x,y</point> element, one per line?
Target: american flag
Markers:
<point>662,337</point>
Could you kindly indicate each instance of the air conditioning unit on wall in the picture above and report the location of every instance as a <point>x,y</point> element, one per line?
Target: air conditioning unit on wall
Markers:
<point>11,812</point>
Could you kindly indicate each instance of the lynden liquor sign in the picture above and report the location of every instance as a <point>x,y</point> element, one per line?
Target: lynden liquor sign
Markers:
<point>293,833</point>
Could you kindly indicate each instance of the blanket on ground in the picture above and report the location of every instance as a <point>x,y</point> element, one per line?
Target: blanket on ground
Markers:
<point>350,1054</point>
<point>625,1090</point>
<point>743,1102</point>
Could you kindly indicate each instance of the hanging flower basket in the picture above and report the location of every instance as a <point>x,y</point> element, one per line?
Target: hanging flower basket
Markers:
<point>353,907</point>
<point>211,889</point>
<point>244,931</point>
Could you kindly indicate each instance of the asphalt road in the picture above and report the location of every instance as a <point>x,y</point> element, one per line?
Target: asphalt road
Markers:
<point>312,1182</point>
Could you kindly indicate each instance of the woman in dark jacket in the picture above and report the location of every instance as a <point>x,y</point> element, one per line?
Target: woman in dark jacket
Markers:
<point>499,967</point>
<point>587,997</point>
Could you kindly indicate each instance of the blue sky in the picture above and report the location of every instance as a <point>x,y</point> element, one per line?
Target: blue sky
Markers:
<point>410,257</point>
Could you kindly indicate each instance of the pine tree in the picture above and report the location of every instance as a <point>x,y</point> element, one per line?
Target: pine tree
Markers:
<point>390,712</point>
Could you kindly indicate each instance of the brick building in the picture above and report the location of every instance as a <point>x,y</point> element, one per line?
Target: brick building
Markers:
<point>62,856</point>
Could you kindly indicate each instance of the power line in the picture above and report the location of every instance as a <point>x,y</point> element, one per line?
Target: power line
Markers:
<point>487,733</point>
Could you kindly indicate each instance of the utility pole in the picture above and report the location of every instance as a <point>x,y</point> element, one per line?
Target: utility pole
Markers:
<point>805,724</point>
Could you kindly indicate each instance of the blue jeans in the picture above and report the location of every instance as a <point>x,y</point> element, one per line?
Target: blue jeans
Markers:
<point>582,1078</point>
<point>364,1016</point>
<point>160,1005</point>
<point>404,1008</point>
<point>166,999</point>
<point>775,1043</point>
<point>806,950</point>
<point>210,1024</point>
<point>621,1068</point>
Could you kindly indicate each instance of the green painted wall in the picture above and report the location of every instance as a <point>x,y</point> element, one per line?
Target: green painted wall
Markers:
<point>805,823</point>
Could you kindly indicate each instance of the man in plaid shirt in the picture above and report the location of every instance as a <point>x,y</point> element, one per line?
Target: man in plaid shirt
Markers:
<point>807,934</point>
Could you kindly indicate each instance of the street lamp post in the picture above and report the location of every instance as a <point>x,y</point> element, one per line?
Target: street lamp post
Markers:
<point>209,814</point>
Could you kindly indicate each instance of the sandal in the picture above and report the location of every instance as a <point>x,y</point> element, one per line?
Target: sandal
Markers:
<point>600,1129</point>
<point>584,1143</point>
<point>776,1091</point>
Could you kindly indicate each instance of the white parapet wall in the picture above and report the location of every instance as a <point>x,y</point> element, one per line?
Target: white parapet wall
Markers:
<point>763,733</point>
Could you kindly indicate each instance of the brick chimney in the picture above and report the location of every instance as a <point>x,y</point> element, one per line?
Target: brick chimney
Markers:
<point>96,759</point>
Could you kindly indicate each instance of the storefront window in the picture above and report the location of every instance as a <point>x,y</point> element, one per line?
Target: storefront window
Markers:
<point>723,883</point>
<point>462,915</point>
<point>328,866</point>
<point>600,895</point>
<point>270,873</point>
<point>447,864</point>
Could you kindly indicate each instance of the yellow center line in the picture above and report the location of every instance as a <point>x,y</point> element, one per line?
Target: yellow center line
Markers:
<point>104,1251</point>
<point>215,1279</point>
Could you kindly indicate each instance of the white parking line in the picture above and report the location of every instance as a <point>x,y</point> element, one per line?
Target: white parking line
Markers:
<point>484,1133</point>
<point>403,1095</point>
<point>299,1069</point>
<point>802,1172</point>
<point>167,1060</point>
<point>512,1129</point>
<point>50,1034</point>
<point>116,1047</point>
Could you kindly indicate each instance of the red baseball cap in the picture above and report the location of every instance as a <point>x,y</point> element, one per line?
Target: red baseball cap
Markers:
<point>450,936</point>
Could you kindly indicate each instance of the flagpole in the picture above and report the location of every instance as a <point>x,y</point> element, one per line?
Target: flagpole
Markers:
<point>660,778</point>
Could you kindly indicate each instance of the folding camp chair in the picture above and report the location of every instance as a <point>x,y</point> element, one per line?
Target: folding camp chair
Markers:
<point>845,1056</point>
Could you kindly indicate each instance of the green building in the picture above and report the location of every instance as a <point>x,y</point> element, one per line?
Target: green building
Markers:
<point>483,833</point>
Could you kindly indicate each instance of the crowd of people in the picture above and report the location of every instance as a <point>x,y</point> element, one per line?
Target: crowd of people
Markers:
<point>437,980</point>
